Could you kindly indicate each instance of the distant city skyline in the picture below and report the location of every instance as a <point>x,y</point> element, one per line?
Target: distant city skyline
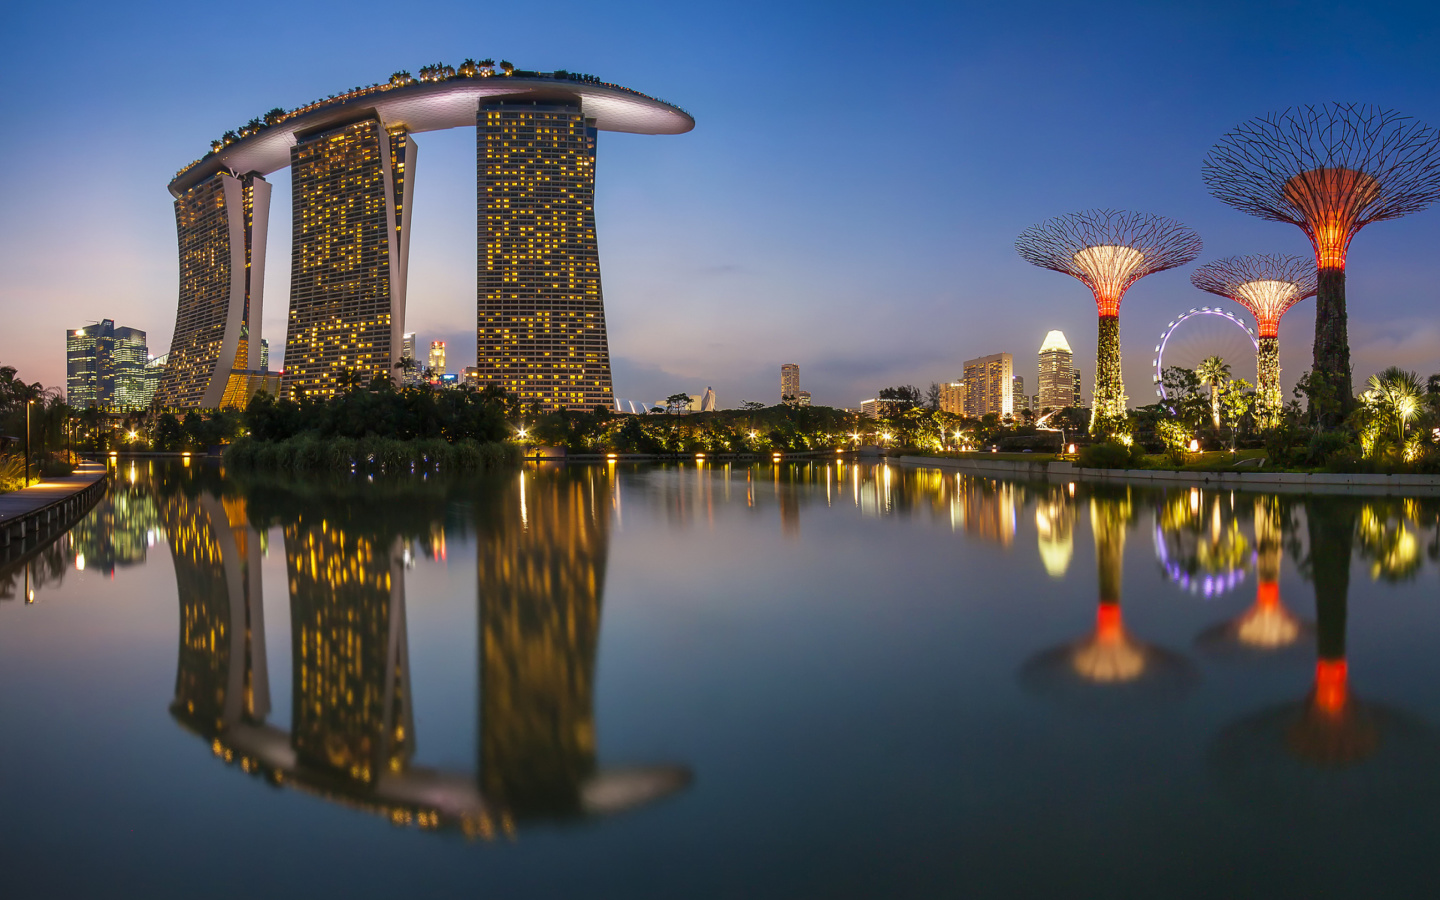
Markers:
<point>740,246</point>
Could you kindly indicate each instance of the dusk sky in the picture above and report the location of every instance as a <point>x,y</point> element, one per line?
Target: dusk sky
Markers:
<point>848,200</point>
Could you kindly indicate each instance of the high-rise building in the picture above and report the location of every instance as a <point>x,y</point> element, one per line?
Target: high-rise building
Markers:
<point>408,350</point>
<point>707,403</point>
<point>540,317</point>
<point>988,386</point>
<point>1078,398</point>
<point>352,192</point>
<point>1057,373</point>
<point>130,358</point>
<point>105,367</point>
<point>789,382</point>
<point>952,397</point>
<point>1020,401</point>
<point>89,365</point>
<point>221,222</point>
<point>264,355</point>
<point>436,362</point>
<point>151,377</point>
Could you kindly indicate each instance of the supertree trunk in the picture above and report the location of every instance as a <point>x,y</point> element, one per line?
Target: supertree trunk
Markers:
<point>1267,368</point>
<point>1109,387</point>
<point>1331,364</point>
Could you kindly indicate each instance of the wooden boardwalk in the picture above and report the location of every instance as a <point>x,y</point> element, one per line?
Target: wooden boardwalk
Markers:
<point>54,502</point>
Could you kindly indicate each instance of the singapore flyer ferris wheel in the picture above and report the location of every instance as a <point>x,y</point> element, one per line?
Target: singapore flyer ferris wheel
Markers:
<point>1202,332</point>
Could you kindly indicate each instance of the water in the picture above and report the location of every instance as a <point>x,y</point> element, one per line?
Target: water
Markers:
<point>800,680</point>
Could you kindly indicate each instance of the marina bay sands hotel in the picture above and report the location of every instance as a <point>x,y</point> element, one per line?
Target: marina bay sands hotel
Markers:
<point>540,319</point>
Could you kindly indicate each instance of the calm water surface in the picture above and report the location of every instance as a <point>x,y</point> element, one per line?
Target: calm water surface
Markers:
<point>799,680</point>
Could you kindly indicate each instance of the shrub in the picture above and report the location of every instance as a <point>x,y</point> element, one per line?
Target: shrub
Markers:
<point>1109,455</point>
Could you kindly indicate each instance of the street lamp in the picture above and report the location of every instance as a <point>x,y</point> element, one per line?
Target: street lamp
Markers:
<point>28,404</point>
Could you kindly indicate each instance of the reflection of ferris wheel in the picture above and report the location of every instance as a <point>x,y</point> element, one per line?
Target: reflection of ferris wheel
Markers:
<point>1211,331</point>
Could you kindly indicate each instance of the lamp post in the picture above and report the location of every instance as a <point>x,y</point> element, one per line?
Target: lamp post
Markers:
<point>28,404</point>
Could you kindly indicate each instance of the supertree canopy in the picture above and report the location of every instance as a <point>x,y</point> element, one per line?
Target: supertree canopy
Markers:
<point>1108,251</point>
<point>1267,286</point>
<point>1331,170</point>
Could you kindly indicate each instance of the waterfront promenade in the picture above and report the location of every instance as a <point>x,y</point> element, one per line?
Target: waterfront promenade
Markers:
<point>51,504</point>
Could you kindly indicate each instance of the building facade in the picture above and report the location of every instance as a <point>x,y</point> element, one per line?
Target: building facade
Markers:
<point>952,397</point>
<point>1079,398</point>
<point>221,224</point>
<point>352,191</point>
<point>1057,373</point>
<point>540,317</point>
<point>105,367</point>
<point>988,386</point>
<point>789,382</point>
<point>436,360</point>
<point>1019,400</point>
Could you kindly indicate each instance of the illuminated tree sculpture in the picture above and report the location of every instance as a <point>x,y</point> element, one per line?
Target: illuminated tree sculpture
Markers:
<point>1267,286</point>
<point>1331,170</point>
<point>1108,251</point>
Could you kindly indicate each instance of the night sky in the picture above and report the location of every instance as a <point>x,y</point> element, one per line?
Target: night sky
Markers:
<point>847,201</point>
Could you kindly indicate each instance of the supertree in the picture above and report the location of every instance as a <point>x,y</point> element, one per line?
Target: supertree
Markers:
<point>1108,250</point>
<point>1331,170</point>
<point>1267,286</point>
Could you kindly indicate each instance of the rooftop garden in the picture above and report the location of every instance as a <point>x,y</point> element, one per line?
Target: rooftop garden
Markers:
<point>433,73</point>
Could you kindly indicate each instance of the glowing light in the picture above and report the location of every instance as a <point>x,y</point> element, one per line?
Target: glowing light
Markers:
<point>1331,200</point>
<point>1109,269</point>
<point>1268,299</point>
<point>1194,445</point>
<point>1331,691</point>
<point>79,562</point>
<point>521,434</point>
<point>1055,340</point>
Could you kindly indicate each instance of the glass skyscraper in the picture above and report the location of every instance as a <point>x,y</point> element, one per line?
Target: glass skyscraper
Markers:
<point>105,366</point>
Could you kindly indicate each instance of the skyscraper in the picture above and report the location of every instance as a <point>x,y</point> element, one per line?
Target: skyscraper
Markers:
<point>952,397</point>
<point>707,403</point>
<point>1057,373</point>
<point>540,318</point>
<point>988,386</point>
<point>1078,398</point>
<point>264,355</point>
<point>352,190</point>
<point>105,367</point>
<point>789,382</point>
<point>221,222</point>
<point>409,350</point>
<point>437,358</point>
<point>1019,400</point>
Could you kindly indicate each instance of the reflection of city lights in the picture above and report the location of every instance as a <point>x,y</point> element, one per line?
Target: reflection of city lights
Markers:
<point>1194,500</point>
<point>79,562</point>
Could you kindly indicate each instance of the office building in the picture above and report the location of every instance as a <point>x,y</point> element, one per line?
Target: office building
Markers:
<point>1057,374</point>
<point>436,360</point>
<point>707,403</point>
<point>540,324</point>
<point>264,355</point>
<point>789,382</point>
<point>1020,401</point>
<point>802,398</point>
<point>1078,398</point>
<point>352,191</point>
<point>988,385</point>
<point>150,378</point>
<point>105,367</point>
<point>952,397</point>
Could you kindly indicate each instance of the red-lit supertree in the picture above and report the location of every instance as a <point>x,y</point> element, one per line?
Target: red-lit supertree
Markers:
<point>1331,170</point>
<point>1108,251</point>
<point>1267,286</point>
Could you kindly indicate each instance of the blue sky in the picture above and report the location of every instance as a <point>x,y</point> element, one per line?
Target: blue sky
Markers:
<point>847,201</point>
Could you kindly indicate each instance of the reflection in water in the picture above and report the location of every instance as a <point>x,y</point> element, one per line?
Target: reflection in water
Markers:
<point>1055,525</point>
<point>1389,538</point>
<point>352,736</point>
<point>1371,754</point>
<point>1267,625</point>
<point>1199,542</point>
<point>1110,655</point>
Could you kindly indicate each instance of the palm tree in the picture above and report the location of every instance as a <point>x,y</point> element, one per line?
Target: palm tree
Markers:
<point>1396,394</point>
<point>1215,372</point>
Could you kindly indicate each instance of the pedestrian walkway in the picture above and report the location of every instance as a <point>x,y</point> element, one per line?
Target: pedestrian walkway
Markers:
<point>53,501</point>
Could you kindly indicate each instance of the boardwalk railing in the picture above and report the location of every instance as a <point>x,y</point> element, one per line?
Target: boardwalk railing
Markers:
<point>53,504</point>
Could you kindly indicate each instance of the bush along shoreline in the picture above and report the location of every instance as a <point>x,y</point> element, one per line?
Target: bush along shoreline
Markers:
<point>308,453</point>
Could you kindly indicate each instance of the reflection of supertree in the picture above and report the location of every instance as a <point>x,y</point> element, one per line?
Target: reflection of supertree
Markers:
<point>1109,655</point>
<point>1108,251</point>
<point>1267,625</point>
<point>1267,286</point>
<point>1054,527</point>
<point>1199,546</point>
<point>1331,170</point>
